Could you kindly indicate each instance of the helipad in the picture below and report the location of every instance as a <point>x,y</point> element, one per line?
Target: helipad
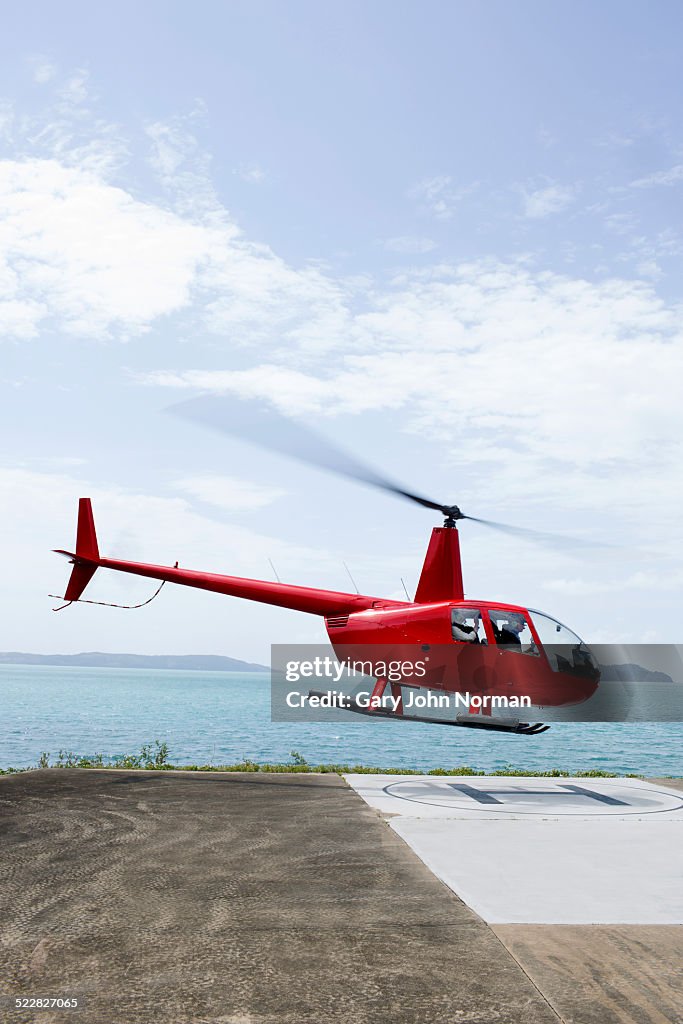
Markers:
<point>546,797</point>
<point>544,851</point>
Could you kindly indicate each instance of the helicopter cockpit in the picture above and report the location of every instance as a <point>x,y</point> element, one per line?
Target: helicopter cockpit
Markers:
<point>524,633</point>
<point>566,652</point>
<point>509,629</point>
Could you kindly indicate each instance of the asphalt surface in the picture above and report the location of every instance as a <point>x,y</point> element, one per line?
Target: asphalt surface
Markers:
<point>180,898</point>
<point>604,974</point>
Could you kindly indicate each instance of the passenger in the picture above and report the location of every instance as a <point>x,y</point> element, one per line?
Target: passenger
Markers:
<point>509,632</point>
<point>461,630</point>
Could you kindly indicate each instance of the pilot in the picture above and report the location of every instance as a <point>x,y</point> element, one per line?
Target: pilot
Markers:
<point>510,630</point>
<point>461,630</point>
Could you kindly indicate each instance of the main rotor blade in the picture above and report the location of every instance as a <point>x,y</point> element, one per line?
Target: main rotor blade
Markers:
<point>264,426</point>
<point>274,432</point>
<point>556,540</point>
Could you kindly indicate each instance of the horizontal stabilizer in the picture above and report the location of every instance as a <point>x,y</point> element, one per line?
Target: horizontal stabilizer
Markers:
<point>81,575</point>
<point>86,558</point>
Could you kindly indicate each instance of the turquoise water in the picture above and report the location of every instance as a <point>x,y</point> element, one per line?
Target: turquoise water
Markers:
<point>223,717</point>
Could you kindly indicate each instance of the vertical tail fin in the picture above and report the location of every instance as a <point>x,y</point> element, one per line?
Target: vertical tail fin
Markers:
<point>86,538</point>
<point>87,555</point>
<point>441,578</point>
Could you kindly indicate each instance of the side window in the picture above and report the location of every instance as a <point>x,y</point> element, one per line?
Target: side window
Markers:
<point>511,631</point>
<point>466,626</point>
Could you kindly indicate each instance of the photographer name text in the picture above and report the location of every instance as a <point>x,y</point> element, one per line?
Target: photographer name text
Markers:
<point>414,699</point>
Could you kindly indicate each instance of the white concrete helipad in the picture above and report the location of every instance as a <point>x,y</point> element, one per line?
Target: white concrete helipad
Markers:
<point>543,851</point>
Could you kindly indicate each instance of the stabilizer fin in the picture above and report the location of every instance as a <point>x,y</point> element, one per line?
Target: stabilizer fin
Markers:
<point>86,538</point>
<point>81,575</point>
<point>441,577</point>
<point>86,558</point>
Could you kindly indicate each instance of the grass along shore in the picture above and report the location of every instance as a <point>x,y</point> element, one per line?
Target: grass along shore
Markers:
<point>155,757</point>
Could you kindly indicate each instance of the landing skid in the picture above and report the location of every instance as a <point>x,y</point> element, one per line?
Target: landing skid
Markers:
<point>465,721</point>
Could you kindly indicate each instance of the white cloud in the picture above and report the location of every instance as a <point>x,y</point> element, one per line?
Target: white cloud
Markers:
<point>545,201</point>
<point>254,296</point>
<point>19,318</point>
<point>624,223</point>
<point>75,91</point>
<point>88,255</point>
<point>616,140</point>
<point>251,173</point>
<point>523,363</point>
<point>552,385</point>
<point>83,255</point>
<point>582,588</point>
<point>90,258</point>
<point>669,177</point>
<point>646,252</point>
<point>649,269</point>
<point>291,391</point>
<point>228,493</point>
<point>43,69</point>
<point>637,581</point>
<point>545,137</point>
<point>439,196</point>
<point>65,461</point>
<point>69,132</point>
<point>171,146</point>
<point>409,245</point>
<point>184,169</point>
<point>6,118</point>
<point>549,388</point>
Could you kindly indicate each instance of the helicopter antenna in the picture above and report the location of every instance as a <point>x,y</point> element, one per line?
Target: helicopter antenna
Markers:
<point>274,570</point>
<point>405,588</point>
<point>351,577</point>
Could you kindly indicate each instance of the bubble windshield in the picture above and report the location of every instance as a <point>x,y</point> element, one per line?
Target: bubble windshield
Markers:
<point>565,651</point>
<point>550,631</point>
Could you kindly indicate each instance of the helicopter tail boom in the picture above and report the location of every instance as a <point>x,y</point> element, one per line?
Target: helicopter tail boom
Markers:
<point>86,560</point>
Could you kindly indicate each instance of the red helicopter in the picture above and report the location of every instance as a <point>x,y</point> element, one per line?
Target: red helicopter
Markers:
<point>497,653</point>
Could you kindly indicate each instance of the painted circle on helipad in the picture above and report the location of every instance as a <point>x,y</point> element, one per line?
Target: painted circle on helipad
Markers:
<point>559,797</point>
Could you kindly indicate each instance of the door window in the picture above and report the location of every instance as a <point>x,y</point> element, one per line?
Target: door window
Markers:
<point>466,626</point>
<point>511,631</point>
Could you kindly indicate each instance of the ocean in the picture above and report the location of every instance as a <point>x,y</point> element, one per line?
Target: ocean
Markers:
<point>224,717</point>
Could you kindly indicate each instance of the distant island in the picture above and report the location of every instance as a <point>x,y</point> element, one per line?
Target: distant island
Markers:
<point>629,673</point>
<point>97,659</point>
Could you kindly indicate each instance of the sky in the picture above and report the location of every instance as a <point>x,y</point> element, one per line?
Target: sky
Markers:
<point>449,235</point>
